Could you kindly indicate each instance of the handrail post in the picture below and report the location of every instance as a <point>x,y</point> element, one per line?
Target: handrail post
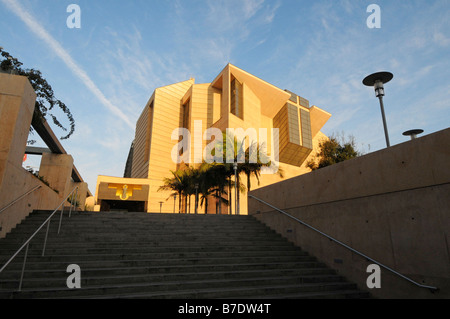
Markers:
<point>46,235</point>
<point>23,267</point>
<point>60,218</point>
<point>71,204</point>
<point>76,197</point>
<point>74,202</point>
<point>27,243</point>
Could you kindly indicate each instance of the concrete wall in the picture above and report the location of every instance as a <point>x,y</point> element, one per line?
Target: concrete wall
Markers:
<point>391,205</point>
<point>17,182</point>
<point>57,170</point>
<point>81,193</point>
<point>17,102</point>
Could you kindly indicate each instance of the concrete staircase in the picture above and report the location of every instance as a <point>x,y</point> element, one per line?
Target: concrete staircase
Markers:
<point>138,255</point>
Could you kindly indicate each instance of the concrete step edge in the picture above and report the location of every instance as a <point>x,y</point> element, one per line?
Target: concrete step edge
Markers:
<point>192,282</point>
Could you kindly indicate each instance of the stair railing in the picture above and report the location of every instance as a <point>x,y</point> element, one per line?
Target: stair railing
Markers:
<point>19,198</point>
<point>46,222</point>
<point>345,245</point>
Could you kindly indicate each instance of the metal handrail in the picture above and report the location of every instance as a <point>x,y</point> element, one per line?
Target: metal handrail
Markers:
<point>47,221</point>
<point>19,198</point>
<point>344,245</point>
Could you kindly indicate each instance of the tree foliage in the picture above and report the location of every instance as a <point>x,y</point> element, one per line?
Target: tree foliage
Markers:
<point>46,102</point>
<point>216,179</point>
<point>334,150</point>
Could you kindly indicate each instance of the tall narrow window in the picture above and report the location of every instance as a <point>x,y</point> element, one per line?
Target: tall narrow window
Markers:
<point>148,133</point>
<point>236,103</point>
<point>306,129</point>
<point>304,102</point>
<point>186,111</point>
<point>186,124</point>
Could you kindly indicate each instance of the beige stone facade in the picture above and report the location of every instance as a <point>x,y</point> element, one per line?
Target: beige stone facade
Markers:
<point>234,99</point>
<point>20,191</point>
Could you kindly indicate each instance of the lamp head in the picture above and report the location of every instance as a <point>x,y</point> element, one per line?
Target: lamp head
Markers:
<point>377,80</point>
<point>413,133</point>
<point>379,88</point>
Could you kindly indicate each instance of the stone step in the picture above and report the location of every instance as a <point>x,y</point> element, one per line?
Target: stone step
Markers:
<point>169,255</point>
<point>98,220</point>
<point>73,222</point>
<point>306,276</point>
<point>188,289</point>
<point>106,246</point>
<point>28,230</point>
<point>56,250</point>
<point>99,242</point>
<point>338,294</point>
<point>31,227</point>
<point>147,269</point>
<point>17,264</point>
<point>139,255</point>
<point>142,216</point>
<point>161,231</point>
<point>145,237</point>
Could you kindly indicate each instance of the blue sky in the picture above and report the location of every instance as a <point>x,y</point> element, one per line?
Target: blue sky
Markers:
<point>107,70</point>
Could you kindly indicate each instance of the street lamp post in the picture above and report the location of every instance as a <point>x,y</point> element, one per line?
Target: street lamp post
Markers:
<point>160,207</point>
<point>377,80</point>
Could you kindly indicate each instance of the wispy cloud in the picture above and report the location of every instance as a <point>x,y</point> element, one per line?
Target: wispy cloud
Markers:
<point>441,39</point>
<point>221,28</point>
<point>56,47</point>
<point>251,7</point>
<point>131,69</point>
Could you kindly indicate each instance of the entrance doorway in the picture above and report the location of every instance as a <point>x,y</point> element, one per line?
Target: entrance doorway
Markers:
<point>119,205</point>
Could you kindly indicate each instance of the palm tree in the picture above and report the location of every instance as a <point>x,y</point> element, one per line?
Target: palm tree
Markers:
<point>178,183</point>
<point>229,157</point>
<point>253,166</point>
<point>206,184</point>
<point>196,181</point>
<point>205,193</point>
<point>213,179</point>
<point>189,177</point>
<point>247,162</point>
<point>219,173</point>
<point>183,182</point>
<point>186,186</point>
